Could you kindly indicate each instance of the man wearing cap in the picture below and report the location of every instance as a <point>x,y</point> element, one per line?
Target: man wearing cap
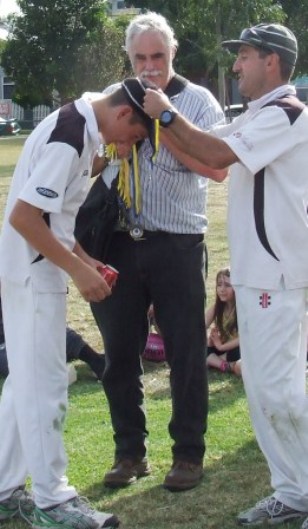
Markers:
<point>266,148</point>
<point>38,253</point>
<point>158,249</point>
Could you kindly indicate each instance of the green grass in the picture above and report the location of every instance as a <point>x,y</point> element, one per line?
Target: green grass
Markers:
<point>236,474</point>
<point>10,149</point>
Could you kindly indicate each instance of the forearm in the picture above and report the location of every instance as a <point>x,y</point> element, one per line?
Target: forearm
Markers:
<point>28,221</point>
<point>80,252</point>
<point>202,146</point>
<point>231,344</point>
<point>85,257</point>
<point>99,164</point>
<point>195,166</point>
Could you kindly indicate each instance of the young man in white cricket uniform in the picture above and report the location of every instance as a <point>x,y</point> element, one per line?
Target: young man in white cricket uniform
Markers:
<point>38,253</point>
<point>268,204</point>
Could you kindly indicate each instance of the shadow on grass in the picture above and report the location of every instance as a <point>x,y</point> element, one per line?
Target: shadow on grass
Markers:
<point>234,482</point>
<point>235,477</point>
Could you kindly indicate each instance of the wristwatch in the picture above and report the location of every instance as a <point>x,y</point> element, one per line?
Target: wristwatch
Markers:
<point>166,117</point>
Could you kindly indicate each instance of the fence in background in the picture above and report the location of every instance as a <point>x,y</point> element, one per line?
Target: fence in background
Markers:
<point>28,118</point>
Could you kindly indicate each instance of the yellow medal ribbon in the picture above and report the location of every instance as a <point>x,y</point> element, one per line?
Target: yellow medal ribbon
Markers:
<point>137,187</point>
<point>156,139</point>
<point>111,152</point>
<point>124,186</point>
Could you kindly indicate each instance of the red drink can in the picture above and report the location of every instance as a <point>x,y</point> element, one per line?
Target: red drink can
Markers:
<point>109,273</point>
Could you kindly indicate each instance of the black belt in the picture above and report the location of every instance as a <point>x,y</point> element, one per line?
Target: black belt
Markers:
<point>140,234</point>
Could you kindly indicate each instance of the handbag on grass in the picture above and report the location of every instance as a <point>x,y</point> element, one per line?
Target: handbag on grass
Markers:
<point>154,350</point>
<point>97,218</point>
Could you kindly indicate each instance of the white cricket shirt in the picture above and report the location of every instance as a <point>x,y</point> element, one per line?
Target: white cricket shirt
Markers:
<point>268,193</point>
<point>52,174</point>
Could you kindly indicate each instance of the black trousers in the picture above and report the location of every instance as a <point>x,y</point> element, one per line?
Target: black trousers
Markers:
<point>168,270</point>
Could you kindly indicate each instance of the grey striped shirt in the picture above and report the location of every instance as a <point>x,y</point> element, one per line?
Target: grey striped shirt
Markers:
<point>174,198</point>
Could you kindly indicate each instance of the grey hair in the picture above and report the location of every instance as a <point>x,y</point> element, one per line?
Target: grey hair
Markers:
<point>149,21</point>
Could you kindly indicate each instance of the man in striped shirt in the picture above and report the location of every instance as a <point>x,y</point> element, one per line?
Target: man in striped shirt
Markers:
<point>160,253</point>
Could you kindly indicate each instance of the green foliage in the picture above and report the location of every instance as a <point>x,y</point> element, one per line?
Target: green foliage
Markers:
<point>55,45</point>
<point>2,46</point>
<point>103,60</point>
<point>297,21</point>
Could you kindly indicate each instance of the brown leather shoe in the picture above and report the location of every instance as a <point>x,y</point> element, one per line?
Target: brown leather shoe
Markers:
<point>183,475</point>
<point>126,471</point>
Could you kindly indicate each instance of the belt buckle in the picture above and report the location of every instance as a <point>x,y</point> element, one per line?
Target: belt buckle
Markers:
<point>136,233</point>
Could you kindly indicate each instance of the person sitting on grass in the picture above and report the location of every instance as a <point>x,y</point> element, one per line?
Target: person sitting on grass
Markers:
<point>223,350</point>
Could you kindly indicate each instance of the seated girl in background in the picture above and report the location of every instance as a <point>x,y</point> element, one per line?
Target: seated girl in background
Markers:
<point>223,350</point>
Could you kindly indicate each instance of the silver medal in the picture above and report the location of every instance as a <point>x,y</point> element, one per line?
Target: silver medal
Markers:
<point>136,233</point>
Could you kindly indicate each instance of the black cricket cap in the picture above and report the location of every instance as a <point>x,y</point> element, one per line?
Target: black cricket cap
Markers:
<point>135,90</point>
<point>273,38</point>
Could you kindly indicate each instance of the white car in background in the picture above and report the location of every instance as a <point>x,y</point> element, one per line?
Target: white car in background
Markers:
<point>232,111</point>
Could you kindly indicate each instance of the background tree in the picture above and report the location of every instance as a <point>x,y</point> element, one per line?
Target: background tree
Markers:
<point>297,21</point>
<point>2,46</point>
<point>103,60</point>
<point>52,48</point>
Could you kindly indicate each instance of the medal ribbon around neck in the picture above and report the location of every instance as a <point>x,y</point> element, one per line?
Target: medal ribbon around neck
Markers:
<point>128,189</point>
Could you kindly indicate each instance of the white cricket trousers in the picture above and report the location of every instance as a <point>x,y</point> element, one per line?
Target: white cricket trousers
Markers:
<point>273,340</point>
<point>33,403</point>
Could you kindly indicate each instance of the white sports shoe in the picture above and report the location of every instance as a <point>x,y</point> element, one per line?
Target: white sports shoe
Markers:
<point>269,510</point>
<point>72,514</point>
<point>19,499</point>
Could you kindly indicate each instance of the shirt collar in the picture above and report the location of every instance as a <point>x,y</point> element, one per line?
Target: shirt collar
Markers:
<point>282,90</point>
<point>85,108</point>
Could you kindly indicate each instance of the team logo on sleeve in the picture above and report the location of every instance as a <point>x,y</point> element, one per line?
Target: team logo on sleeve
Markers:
<point>45,192</point>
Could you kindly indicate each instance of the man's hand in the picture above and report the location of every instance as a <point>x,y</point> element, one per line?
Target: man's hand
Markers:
<point>155,101</point>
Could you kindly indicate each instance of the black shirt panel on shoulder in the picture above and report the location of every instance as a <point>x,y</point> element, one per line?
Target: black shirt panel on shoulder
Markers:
<point>69,128</point>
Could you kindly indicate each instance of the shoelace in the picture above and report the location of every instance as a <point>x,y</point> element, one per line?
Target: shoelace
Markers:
<point>82,503</point>
<point>26,506</point>
<point>272,506</point>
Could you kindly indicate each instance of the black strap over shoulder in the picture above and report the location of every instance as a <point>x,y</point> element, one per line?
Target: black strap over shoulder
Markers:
<point>290,104</point>
<point>176,85</point>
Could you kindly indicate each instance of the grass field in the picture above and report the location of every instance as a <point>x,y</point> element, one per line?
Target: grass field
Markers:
<point>236,474</point>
